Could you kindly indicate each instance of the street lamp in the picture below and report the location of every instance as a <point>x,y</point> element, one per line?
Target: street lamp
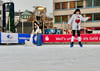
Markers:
<point>40,8</point>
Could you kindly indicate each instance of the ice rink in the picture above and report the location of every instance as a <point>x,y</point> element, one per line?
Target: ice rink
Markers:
<point>49,58</point>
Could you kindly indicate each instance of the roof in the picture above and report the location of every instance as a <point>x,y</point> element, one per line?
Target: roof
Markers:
<point>26,13</point>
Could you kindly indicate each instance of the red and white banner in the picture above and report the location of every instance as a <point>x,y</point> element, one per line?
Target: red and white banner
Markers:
<point>67,38</point>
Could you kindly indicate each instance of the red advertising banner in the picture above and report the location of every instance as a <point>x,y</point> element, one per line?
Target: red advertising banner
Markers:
<point>67,38</point>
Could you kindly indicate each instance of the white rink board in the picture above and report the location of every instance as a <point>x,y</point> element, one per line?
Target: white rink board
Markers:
<point>9,37</point>
<point>50,58</point>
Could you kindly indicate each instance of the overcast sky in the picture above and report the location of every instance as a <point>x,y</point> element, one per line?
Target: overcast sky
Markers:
<point>27,4</point>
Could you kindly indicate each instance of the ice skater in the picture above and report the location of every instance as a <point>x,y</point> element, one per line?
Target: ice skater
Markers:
<point>36,30</point>
<point>75,22</point>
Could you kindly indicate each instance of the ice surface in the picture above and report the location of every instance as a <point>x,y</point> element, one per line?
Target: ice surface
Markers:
<point>49,58</point>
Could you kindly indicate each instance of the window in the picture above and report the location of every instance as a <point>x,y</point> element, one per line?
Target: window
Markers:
<point>27,17</point>
<point>64,5</point>
<point>24,17</point>
<point>97,16</point>
<point>64,18</point>
<point>21,16</point>
<point>89,15</point>
<point>88,3</point>
<point>57,19</point>
<point>79,4</point>
<point>57,5</point>
<point>72,5</point>
<point>96,2</point>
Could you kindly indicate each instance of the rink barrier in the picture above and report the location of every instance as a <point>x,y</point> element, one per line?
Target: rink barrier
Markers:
<point>37,38</point>
<point>67,38</point>
<point>40,39</point>
<point>23,37</point>
<point>20,38</point>
<point>9,37</point>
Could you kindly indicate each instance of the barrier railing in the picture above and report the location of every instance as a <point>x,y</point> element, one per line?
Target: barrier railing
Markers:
<point>67,38</point>
<point>39,38</point>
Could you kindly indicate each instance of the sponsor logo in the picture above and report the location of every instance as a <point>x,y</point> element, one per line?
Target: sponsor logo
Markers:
<point>9,36</point>
<point>47,38</point>
<point>35,38</point>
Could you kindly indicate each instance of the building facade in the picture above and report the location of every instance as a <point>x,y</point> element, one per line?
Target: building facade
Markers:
<point>63,9</point>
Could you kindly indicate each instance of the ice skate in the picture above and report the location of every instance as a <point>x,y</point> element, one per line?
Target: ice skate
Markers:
<point>72,44</point>
<point>80,44</point>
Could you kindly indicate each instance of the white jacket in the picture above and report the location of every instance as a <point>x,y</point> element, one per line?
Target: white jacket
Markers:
<point>75,20</point>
